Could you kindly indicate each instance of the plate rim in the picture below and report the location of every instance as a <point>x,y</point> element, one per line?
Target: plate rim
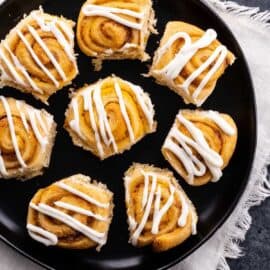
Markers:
<point>204,5</point>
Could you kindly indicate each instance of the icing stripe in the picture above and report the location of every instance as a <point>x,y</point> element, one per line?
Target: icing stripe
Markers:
<point>45,209</point>
<point>88,101</point>
<point>124,111</point>
<point>36,59</point>
<point>18,64</point>
<point>82,195</point>
<point>103,121</point>
<point>22,115</point>
<point>43,141</point>
<point>45,237</point>
<point>136,234</point>
<point>80,210</point>
<point>48,52</point>
<point>12,132</point>
<point>111,13</point>
<point>159,213</point>
<point>223,124</point>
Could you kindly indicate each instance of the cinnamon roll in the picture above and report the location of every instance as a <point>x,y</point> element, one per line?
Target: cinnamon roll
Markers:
<point>73,213</point>
<point>26,139</point>
<point>190,61</point>
<point>200,145</point>
<point>118,29</point>
<point>159,212</point>
<point>109,116</point>
<point>37,55</point>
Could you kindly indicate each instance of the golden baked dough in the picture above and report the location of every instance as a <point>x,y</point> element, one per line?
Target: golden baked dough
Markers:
<point>190,61</point>
<point>200,145</point>
<point>109,116</point>
<point>26,139</point>
<point>159,212</point>
<point>115,29</point>
<point>73,213</point>
<point>37,55</point>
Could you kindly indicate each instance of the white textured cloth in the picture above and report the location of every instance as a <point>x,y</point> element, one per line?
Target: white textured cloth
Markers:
<point>253,32</point>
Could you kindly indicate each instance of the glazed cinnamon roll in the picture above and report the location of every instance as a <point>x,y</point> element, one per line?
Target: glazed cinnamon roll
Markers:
<point>190,61</point>
<point>109,116</point>
<point>200,145</point>
<point>159,212</point>
<point>73,213</point>
<point>118,29</point>
<point>26,139</point>
<point>37,55</point>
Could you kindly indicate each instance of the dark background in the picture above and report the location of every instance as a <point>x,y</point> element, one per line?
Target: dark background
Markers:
<point>257,244</point>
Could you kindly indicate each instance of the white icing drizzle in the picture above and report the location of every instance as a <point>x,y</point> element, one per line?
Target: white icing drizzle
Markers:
<point>159,213</point>
<point>47,51</point>
<point>75,123</point>
<point>3,169</point>
<point>11,68</point>
<point>111,13</point>
<point>52,27</point>
<point>18,64</point>
<point>92,98</point>
<point>184,210</point>
<point>153,197</point>
<point>138,231</point>
<point>189,49</point>
<point>79,210</point>
<point>144,102</point>
<point>45,209</point>
<point>87,96</point>
<point>145,189</point>
<point>124,111</point>
<point>194,223</point>
<point>220,122</point>
<point>43,140</point>
<point>22,115</point>
<point>12,131</point>
<point>43,236</point>
<point>82,195</point>
<point>104,125</point>
<point>183,152</point>
<point>36,59</point>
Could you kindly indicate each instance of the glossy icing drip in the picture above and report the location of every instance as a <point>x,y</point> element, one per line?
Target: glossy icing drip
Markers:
<point>181,146</point>
<point>92,98</point>
<point>113,14</point>
<point>185,54</point>
<point>43,236</point>
<point>92,234</point>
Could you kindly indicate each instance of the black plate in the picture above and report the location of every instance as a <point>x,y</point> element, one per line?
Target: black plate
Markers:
<point>214,202</point>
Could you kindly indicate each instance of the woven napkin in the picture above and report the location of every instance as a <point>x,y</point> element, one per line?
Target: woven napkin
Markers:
<point>253,32</point>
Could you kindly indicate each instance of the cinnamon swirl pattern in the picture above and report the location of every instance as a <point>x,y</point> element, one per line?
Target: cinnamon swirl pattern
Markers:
<point>190,61</point>
<point>200,144</point>
<point>110,116</point>
<point>159,212</point>
<point>26,139</point>
<point>37,56</point>
<point>115,29</point>
<point>73,213</point>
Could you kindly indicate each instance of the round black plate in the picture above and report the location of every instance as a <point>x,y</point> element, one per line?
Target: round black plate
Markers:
<point>214,202</point>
